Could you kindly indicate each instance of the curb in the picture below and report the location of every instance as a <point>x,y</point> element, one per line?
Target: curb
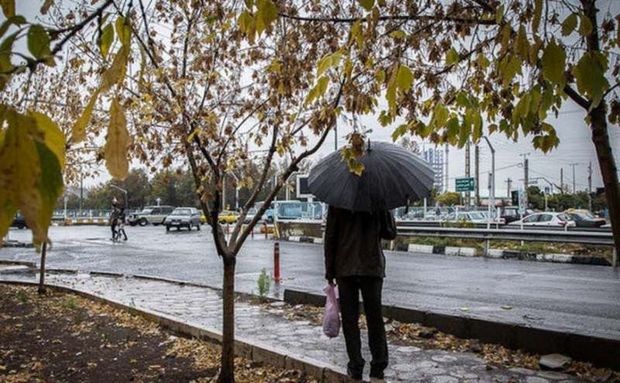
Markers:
<point>600,351</point>
<point>107,274</point>
<point>12,243</point>
<point>472,252</point>
<point>19,263</point>
<point>250,350</point>
<point>202,285</point>
<point>302,239</point>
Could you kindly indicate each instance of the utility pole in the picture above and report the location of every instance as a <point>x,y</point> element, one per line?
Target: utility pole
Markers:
<point>467,171</point>
<point>477,172</point>
<point>590,186</point>
<point>446,170</point>
<point>223,193</point>
<point>492,177</point>
<point>561,180</point>
<point>336,136</point>
<point>81,190</point>
<point>508,185</point>
<point>526,170</point>
<point>573,166</point>
<point>590,177</point>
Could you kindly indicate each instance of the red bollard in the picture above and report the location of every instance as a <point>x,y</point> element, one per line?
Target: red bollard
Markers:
<point>276,262</point>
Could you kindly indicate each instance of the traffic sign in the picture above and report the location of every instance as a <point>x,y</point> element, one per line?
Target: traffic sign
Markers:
<point>465,184</point>
<point>302,187</point>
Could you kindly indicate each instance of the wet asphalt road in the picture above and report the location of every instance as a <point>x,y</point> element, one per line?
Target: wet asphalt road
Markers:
<point>564,297</point>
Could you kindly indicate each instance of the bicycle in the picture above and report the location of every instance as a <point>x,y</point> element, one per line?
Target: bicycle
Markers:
<point>120,229</point>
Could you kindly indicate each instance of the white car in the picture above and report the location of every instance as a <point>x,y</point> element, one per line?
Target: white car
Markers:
<point>545,219</point>
<point>153,215</point>
<point>468,216</point>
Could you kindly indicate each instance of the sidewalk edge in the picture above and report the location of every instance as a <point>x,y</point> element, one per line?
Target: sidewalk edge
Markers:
<point>600,351</point>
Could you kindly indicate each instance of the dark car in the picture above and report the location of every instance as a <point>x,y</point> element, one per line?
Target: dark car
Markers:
<point>584,218</point>
<point>19,221</point>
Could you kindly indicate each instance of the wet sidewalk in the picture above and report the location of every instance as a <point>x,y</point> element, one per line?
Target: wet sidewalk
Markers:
<point>201,307</point>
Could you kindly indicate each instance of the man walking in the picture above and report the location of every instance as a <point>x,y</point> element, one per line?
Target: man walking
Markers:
<point>354,258</point>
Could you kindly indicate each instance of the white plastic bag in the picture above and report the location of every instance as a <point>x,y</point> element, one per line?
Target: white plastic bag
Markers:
<point>331,318</point>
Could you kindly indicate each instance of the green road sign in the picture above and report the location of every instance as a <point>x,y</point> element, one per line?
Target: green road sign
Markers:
<point>465,184</point>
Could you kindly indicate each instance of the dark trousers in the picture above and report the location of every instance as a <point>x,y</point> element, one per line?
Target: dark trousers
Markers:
<point>349,289</point>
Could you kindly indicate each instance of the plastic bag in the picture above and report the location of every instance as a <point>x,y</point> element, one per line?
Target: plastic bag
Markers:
<point>331,318</point>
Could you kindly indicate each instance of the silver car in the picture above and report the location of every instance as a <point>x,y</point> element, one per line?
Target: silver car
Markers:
<point>183,217</point>
<point>153,215</point>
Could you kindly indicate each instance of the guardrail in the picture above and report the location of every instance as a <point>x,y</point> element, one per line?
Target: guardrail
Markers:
<point>495,225</point>
<point>583,237</point>
<point>503,233</point>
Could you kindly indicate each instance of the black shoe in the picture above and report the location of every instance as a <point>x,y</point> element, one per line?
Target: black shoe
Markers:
<point>376,374</point>
<point>357,375</point>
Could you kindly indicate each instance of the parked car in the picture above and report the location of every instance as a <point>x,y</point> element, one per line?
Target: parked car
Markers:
<point>266,217</point>
<point>468,216</point>
<point>183,217</point>
<point>252,212</point>
<point>228,216</point>
<point>583,218</point>
<point>511,213</point>
<point>545,219</point>
<point>153,215</point>
<point>19,221</point>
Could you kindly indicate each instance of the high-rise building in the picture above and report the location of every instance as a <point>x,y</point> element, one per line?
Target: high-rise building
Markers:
<point>435,157</point>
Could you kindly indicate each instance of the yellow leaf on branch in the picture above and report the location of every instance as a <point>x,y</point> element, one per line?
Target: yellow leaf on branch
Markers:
<point>31,153</point>
<point>78,132</point>
<point>117,143</point>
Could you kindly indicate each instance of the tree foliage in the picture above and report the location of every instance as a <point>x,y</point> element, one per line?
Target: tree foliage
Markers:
<point>449,199</point>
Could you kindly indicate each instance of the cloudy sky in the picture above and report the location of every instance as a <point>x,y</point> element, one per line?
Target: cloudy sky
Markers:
<point>575,142</point>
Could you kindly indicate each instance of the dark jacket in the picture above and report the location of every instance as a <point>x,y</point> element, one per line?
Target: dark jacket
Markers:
<point>353,242</point>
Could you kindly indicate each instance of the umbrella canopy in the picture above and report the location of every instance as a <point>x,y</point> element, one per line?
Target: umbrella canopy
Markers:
<point>392,177</point>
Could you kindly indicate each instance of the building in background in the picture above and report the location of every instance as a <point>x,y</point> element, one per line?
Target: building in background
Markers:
<point>435,157</point>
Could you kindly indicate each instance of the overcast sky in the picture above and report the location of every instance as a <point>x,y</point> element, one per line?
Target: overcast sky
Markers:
<point>575,142</point>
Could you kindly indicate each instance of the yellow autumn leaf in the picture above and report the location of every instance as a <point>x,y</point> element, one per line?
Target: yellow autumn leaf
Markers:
<point>78,132</point>
<point>116,72</point>
<point>53,137</point>
<point>7,213</point>
<point>117,143</point>
<point>8,7</point>
<point>19,174</point>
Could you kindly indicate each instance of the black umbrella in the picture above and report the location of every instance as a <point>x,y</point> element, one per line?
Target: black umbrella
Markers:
<point>392,177</point>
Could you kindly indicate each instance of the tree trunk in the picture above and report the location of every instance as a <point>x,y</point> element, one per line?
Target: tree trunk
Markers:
<point>41,289</point>
<point>608,168</point>
<point>227,372</point>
